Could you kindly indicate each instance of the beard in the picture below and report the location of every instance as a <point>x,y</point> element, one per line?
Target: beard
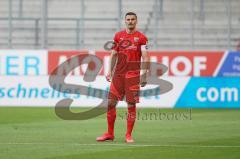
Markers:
<point>131,27</point>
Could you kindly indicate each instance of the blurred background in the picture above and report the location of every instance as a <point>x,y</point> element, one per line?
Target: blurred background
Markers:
<point>88,24</point>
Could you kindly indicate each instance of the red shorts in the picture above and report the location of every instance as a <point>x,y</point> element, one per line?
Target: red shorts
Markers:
<point>125,85</point>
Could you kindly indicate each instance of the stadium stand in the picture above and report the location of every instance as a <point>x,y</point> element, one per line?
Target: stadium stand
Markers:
<point>88,24</point>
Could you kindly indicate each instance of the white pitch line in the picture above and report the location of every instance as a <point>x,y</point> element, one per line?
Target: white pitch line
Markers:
<point>127,145</point>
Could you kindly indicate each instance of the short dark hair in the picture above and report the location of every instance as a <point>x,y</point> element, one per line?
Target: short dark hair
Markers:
<point>131,13</point>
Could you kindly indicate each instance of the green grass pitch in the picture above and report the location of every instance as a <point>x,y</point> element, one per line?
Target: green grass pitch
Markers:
<point>37,133</point>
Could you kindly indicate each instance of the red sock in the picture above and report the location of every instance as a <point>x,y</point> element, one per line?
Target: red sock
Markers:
<point>131,119</point>
<point>111,116</point>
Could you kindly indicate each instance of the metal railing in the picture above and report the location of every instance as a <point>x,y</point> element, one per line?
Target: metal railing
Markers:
<point>44,36</point>
<point>41,24</point>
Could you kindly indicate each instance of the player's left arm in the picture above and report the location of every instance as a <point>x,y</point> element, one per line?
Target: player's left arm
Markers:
<point>144,65</point>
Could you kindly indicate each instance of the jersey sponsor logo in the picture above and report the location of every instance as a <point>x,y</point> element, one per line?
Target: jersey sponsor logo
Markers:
<point>132,47</point>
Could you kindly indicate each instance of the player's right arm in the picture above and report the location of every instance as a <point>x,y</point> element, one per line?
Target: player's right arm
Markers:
<point>112,65</point>
<point>113,58</point>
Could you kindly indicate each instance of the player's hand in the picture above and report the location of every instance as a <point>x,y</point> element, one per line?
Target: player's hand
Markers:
<point>143,84</point>
<point>109,77</point>
<point>143,81</point>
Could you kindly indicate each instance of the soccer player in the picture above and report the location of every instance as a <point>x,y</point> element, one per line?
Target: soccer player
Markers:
<point>130,45</point>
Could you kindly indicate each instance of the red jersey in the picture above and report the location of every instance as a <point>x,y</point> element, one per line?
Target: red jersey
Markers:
<point>128,47</point>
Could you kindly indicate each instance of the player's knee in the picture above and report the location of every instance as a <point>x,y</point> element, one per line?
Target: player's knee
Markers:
<point>112,102</point>
<point>131,104</point>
